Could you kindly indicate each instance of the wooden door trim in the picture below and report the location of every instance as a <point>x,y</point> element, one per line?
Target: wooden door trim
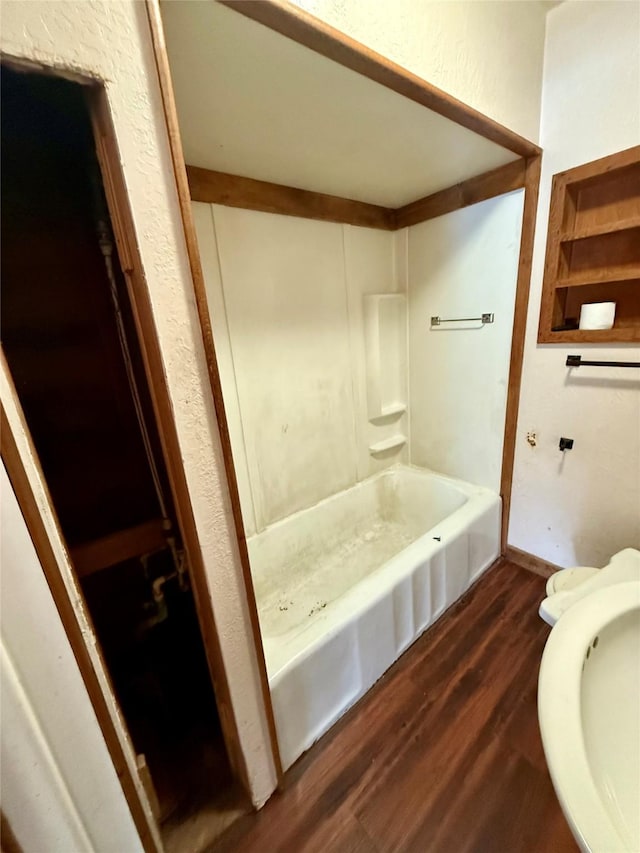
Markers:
<point>23,472</point>
<point>184,199</point>
<point>311,32</point>
<point>23,469</point>
<point>137,288</point>
<point>531,188</point>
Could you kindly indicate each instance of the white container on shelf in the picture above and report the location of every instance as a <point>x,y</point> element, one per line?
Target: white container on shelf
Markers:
<point>597,315</point>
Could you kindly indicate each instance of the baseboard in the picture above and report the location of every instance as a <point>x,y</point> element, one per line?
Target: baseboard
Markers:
<point>530,562</point>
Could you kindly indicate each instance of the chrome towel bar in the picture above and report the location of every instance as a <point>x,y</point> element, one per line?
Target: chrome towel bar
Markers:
<point>484,318</point>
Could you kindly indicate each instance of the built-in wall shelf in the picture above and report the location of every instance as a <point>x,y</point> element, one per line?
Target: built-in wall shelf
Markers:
<point>385,339</point>
<point>602,228</point>
<point>593,250</point>
<point>618,335</point>
<point>611,275</point>
<point>392,443</point>
<point>390,411</point>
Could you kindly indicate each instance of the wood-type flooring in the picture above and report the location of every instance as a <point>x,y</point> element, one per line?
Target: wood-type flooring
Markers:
<point>443,755</point>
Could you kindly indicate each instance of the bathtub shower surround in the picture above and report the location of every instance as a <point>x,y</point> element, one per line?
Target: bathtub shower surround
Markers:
<point>343,588</point>
<point>462,265</point>
<point>323,262</point>
<point>334,383</point>
<point>329,367</point>
<point>385,335</point>
<point>288,300</point>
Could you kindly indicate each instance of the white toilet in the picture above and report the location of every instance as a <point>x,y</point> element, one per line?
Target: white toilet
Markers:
<point>566,587</point>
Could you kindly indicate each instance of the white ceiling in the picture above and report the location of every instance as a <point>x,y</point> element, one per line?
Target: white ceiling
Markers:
<point>254,103</point>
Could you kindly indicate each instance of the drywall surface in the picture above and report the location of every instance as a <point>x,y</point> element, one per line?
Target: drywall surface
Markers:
<point>487,54</point>
<point>60,791</point>
<point>286,302</point>
<point>582,506</point>
<point>463,264</point>
<point>110,41</point>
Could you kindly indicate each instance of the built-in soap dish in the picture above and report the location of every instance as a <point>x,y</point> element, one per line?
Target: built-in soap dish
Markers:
<point>387,444</point>
<point>393,410</point>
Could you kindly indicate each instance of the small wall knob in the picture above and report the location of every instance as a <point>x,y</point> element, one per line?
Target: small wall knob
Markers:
<point>566,443</point>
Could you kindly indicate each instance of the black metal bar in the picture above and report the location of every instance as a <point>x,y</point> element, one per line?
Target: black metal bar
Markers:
<point>576,361</point>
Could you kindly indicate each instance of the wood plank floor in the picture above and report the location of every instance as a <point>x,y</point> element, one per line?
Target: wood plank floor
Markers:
<point>442,755</point>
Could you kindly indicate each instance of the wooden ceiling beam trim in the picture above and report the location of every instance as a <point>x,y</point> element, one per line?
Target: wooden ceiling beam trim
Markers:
<point>235,191</point>
<point>504,179</point>
<point>213,187</point>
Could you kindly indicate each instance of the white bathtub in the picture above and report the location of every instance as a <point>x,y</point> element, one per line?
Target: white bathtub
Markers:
<point>343,588</point>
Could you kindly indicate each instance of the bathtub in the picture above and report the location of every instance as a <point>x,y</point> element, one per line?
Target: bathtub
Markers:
<point>343,588</point>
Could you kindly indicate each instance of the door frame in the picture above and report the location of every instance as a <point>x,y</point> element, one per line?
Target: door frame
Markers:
<point>20,459</point>
<point>27,479</point>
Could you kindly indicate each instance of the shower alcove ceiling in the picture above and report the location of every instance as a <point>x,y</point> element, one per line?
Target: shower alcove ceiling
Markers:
<point>278,113</point>
<point>254,103</point>
<point>257,104</point>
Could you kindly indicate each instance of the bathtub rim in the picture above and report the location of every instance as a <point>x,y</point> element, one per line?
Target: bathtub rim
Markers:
<point>468,489</point>
<point>290,648</point>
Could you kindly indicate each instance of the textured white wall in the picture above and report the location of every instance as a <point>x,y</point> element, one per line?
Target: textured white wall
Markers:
<point>60,791</point>
<point>488,54</point>
<point>463,264</point>
<point>582,506</point>
<point>111,41</point>
<point>285,296</point>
